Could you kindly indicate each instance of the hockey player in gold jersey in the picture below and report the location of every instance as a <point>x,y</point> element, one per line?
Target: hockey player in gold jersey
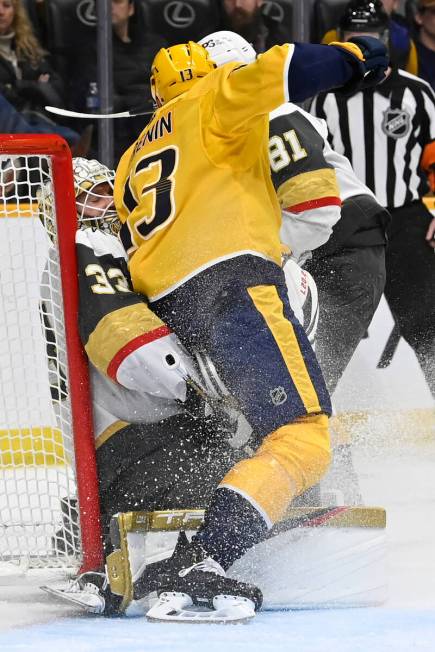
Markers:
<point>201,225</point>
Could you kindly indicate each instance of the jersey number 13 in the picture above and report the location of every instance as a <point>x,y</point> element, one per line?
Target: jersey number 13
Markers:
<point>149,197</point>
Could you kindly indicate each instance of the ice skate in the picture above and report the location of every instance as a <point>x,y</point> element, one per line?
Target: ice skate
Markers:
<point>192,587</point>
<point>89,590</point>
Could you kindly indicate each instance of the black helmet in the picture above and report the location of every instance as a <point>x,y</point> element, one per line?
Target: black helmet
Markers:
<point>364,16</point>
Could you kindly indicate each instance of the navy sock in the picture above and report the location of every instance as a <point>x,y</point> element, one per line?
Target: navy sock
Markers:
<point>231,526</point>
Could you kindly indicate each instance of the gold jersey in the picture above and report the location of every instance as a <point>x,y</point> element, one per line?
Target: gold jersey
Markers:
<point>195,188</point>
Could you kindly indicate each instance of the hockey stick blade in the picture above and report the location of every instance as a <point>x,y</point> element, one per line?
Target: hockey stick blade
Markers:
<point>95,116</point>
<point>390,348</point>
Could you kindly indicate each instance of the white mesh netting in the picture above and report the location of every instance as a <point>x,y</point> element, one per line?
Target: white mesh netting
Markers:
<point>37,487</point>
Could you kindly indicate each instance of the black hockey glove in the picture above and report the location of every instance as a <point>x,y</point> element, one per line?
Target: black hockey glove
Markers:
<point>376,58</point>
<point>370,58</point>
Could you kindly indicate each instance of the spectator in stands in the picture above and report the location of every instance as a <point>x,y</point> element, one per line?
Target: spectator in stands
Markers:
<point>425,19</point>
<point>133,51</point>
<point>11,121</point>
<point>400,37</point>
<point>38,16</point>
<point>402,48</point>
<point>247,18</point>
<point>27,80</point>
<point>391,7</point>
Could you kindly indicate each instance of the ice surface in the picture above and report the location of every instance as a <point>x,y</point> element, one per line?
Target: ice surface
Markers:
<point>368,630</point>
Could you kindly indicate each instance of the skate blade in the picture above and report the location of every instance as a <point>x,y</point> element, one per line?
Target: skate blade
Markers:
<point>174,607</point>
<point>90,602</point>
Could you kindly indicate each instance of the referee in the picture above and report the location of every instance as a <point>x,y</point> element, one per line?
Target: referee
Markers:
<point>388,133</point>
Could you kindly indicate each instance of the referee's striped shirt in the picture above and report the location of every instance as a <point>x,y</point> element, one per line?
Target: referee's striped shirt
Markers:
<point>383,131</point>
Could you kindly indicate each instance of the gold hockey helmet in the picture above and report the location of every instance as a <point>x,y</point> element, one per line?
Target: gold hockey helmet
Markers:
<point>175,70</point>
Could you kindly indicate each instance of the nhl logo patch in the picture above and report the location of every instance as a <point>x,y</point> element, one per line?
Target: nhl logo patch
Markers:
<point>396,123</point>
<point>278,395</point>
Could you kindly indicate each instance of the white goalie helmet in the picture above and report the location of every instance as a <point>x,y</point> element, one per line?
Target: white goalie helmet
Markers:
<point>92,211</point>
<point>89,177</point>
<point>228,47</point>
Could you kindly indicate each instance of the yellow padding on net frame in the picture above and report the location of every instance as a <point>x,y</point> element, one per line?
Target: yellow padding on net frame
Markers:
<point>40,446</point>
<point>23,209</point>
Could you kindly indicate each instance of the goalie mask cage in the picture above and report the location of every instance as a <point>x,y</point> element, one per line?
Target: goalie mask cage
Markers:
<point>49,511</point>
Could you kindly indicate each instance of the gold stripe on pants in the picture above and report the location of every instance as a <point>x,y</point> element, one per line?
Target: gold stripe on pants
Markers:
<point>269,305</point>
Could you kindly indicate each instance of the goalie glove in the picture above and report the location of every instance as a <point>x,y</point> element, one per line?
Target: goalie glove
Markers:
<point>369,56</point>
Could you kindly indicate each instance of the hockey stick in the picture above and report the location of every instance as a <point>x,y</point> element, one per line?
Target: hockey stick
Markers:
<point>95,116</point>
<point>389,348</point>
<point>306,517</point>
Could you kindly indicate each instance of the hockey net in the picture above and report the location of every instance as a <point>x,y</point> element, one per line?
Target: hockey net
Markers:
<point>48,484</point>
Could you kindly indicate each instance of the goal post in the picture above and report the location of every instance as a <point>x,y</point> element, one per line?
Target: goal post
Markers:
<point>38,251</point>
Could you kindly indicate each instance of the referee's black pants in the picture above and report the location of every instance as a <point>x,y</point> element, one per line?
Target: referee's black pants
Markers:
<point>410,287</point>
<point>350,283</point>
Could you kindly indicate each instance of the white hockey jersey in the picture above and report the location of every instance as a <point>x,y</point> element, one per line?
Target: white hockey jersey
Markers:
<point>311,179</point>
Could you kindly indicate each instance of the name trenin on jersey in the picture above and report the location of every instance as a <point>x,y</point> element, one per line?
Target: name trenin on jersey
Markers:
<point>162,126</point>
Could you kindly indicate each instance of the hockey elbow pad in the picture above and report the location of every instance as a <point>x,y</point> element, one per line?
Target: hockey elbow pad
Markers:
<point>370,59</point>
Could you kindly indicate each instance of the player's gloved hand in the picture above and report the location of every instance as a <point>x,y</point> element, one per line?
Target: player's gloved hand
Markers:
<point>376,59</point>
<point>370,59</point>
